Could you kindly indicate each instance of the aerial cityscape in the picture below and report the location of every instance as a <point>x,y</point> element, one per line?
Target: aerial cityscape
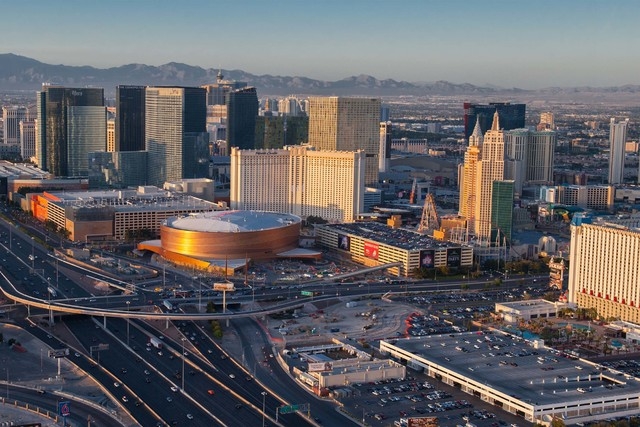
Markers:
<point>205,227</point>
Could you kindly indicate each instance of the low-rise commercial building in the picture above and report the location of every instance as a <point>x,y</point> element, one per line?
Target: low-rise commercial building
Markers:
<point>373,244</point>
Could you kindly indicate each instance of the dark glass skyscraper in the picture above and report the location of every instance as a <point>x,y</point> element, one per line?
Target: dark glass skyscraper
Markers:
<point>130,118</point>
<point>72,124</point>
<point>242,112</point>
<point>511,116</point>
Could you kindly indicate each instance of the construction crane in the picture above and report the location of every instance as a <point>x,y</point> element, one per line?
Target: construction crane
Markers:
<point>430,221</point>
<point>414,190</point>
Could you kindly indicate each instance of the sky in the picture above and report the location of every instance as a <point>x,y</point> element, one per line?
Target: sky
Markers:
<point>507,43</point>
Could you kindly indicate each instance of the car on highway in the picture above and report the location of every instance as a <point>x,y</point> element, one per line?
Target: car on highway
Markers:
<point>146,372</point>
<point>211,392</point>
<point>174,389</point>
<point>76,354</point>
<point>189,416</point>
<point>116,384</point>
<point>125,399</point>
<point>232,376</point>
<point>169,399</point>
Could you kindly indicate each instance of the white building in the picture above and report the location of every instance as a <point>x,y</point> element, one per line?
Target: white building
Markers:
<point>617,140</point>
<point>604,268</point>
<point>300,181</point>
<point>27,139</point>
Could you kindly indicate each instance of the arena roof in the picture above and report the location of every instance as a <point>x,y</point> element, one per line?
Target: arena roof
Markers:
<point>233,221</point>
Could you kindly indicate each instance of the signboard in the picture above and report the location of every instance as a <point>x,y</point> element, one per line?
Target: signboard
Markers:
<point>319,367</point>
<point>422,422</point>
<point>64,409</point>
<point>224,286</point>
<point>102,347</point>
<point>289,409</point>
<point>344,242</point>
<point>454,255</point>
<point>427,258</point>
<point>371,250</point>
<point>62,352</point>
<point>306,293</point>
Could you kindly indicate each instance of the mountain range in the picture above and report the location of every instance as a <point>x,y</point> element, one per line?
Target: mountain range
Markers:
<point>19,73</point>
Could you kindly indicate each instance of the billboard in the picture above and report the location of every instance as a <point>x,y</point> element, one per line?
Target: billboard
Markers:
<point>62,352</point>
<point>319,367</point>
<point>427,258</point>
<point>454,256</point>
<point>371,250</point>
<point>422,422</point>
<point>344,242</point>
<point>223,286</point>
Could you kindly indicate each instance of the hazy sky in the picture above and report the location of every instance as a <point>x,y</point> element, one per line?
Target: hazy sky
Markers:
<point>508,43</point>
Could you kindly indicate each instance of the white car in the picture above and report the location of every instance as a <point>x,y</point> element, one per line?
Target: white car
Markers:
<point>174,389</point>
<point>189,416</point>
<point>232,376</point>
<point>116,384</point>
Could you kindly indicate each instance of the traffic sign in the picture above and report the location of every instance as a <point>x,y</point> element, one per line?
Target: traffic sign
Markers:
<point>64,409</point>
<point>61,352</point>
<point>306,293</point>
<point>289,409</point>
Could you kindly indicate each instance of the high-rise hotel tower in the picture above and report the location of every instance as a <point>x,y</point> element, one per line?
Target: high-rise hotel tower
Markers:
<point>71,124</point>
<point>347,124</point>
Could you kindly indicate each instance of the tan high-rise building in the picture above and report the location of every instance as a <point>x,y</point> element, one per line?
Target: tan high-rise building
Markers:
<point>347,124</point>
<point>490,169</point>
<point>111,135</point>
<point>300,181</point>
<point>469,175</point>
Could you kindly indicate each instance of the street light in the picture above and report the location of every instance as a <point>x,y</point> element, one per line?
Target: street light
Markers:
<point>183,340</point>
<point>264,396</point>
<point>128,304</point>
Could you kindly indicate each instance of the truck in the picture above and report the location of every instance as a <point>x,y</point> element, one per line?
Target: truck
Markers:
<point>167,304</point>
<point>52,291</point>
<point>155,342</point>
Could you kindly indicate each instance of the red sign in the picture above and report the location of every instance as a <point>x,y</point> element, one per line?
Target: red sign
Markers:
<point>371,250</point>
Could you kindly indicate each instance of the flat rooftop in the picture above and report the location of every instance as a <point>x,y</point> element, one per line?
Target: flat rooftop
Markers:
<point>397,237</point>
<point>511,366</point>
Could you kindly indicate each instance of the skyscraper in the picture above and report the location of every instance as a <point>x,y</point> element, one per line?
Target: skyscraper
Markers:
<point>242,112</point>
<point>511,116</point>
<point>176,140</point>
<point>130,101</point>
<point>217,92</point>
<point>12,116</point>
<point>347,124</point>
<point>384,157</point>
<point>529,156</point>
<point>490,169</point>
<point>27,139</point>
<point>617,141</point>
<point>71,124</point>
<point>468,177</point>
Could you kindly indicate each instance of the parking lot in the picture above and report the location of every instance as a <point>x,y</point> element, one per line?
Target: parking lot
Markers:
<point>387,403</point>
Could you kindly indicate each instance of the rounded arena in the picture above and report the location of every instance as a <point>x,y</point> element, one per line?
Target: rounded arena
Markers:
<point>223,235</point>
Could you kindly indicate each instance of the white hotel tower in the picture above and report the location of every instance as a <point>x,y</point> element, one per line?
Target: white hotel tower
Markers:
<point>604,268</point>
<point>300,181</point>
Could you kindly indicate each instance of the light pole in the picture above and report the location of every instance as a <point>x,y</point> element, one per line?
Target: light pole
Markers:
<point>128,304</point>
<point>33,258</point>
<point>264,396</point>
<point>183,339</point>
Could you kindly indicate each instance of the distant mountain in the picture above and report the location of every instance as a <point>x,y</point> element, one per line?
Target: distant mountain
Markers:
<point>22,73</point>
